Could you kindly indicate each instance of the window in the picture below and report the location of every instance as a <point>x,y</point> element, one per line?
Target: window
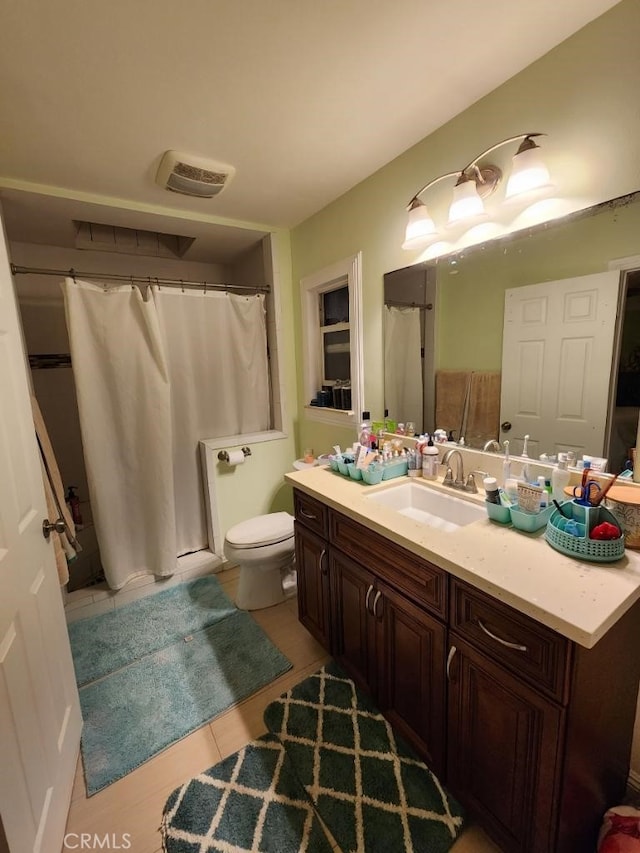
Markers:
<point>335,335</point>
<point>331,318</point>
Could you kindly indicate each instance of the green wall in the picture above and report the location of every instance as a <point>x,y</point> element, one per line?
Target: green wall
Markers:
<point>471,301</point>
<point>583,94</point>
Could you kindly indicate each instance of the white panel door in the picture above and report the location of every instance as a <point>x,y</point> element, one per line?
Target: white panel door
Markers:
<point>557,354</point>
<point>40,717</point>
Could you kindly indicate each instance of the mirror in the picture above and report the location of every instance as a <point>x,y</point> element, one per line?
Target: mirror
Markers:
<point>471,284</point>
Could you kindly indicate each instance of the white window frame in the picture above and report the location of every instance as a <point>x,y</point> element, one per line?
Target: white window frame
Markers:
<point>349,272</point>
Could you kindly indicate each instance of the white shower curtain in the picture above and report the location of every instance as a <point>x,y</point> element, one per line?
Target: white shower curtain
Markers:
<point>122,384</point>
<point>153,378</point>
<point>216,350</point>
<point>403,383</point>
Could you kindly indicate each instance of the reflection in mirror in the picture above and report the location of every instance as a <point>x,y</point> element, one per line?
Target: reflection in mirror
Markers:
<point>409,352</point>
<point>472,286</point>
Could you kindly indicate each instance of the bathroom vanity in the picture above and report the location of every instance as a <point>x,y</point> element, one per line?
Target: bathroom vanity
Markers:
<point>511,669</point>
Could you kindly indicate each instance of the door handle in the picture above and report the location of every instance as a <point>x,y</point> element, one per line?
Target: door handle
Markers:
<point>450,657</point>
<point>323,568</point>
<point>505,426</point>
<point>49,527</point>
<point>366,601</point>
<point>374,611</point>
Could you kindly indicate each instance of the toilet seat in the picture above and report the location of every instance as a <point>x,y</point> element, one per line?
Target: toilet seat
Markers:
<point>261,531</point>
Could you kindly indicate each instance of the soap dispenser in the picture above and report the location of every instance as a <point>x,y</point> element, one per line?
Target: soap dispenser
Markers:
<point>430,460</point>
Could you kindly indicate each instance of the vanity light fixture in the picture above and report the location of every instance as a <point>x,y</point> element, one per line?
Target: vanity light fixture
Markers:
<point>473,184</point>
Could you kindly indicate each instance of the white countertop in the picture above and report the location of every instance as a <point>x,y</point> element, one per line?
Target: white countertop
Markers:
<point>577,599</point>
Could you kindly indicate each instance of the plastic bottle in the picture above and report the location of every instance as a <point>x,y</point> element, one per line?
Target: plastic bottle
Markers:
<point>74,505</point>
<point>492,495</point>
<point>364,436</point>
<point>544,499</point>
<point>560,478</point>
<point>430,461</point>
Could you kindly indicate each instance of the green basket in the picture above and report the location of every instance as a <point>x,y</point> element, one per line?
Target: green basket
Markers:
<point>593,550</point>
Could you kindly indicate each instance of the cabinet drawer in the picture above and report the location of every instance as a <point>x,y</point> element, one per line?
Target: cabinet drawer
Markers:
<point>420,580</point>
<point>516,641</point>
<point>310,512</point>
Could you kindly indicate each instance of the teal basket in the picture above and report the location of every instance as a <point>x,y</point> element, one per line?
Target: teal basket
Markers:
<point>497,512</point>
<point>530,521</point>
<point>582,547</point>
<point>395,469</point>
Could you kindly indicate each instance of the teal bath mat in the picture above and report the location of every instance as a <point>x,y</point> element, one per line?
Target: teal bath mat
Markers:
<point>134,713</point>
<point>369,788</point>
<point>251,801</point>
<point>105,643</point>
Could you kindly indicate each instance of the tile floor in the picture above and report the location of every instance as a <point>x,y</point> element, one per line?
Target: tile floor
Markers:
<point>134,804</point>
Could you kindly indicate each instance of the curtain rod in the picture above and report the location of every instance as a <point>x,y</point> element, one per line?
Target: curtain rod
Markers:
<point>395,303</point>
<point>139,279</point>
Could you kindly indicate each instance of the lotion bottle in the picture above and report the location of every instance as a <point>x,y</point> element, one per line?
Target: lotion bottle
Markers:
<point>430,461</point>
<point>364,436</point>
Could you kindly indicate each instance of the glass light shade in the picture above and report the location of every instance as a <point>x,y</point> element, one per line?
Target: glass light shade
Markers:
<point>466,202</point>
<point>420,227</point>
<point>528,173</point>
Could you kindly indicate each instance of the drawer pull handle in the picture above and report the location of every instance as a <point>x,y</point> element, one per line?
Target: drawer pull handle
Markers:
<point>310,515</point>
<point>506,643</point>
<point>374,609</point>
<point>450,656</point>
<point>323,568</point>
<point>366,601</point>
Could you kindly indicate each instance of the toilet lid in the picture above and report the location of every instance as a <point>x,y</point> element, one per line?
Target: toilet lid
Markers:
<point>261,530</point>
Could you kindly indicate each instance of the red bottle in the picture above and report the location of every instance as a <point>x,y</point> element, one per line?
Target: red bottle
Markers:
<point>74,505</point>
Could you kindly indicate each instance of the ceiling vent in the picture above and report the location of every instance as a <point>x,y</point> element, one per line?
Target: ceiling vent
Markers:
<point>129,241</point>
<point>195,176</point>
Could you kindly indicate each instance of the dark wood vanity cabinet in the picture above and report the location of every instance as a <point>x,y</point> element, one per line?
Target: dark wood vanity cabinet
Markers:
<point>312,566</point>
<point>531,732</point>
<point>504,741</point>
<point>394,650</point>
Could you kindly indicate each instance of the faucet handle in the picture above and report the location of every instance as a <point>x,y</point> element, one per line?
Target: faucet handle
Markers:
<point>470,485</point>
<point>448,478</point>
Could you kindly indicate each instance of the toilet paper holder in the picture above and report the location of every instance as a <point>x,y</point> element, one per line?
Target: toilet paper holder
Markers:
<point>223,455</point>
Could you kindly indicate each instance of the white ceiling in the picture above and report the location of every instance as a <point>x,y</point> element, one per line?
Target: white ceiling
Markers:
<point>304,98</point>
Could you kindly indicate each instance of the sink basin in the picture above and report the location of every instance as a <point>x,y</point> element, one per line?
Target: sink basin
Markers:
<point>437,509</point>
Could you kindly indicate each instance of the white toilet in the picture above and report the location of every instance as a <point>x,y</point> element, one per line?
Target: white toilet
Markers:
<point>263,547</point>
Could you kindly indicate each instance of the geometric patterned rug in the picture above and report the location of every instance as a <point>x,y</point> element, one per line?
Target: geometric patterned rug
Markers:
<point>368,786</point>
<point>251,801</point>
<point>328,746</point>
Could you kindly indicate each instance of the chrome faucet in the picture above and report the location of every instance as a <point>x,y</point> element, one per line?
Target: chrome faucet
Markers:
<point>468,485</point>
<point>458,483</point>
<point>492,444</point>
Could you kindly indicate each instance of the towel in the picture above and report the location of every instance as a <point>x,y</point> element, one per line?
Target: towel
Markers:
<point>483,419</point>
<point>65,545</point>
<point>451,388</point>
<point>470,395</point>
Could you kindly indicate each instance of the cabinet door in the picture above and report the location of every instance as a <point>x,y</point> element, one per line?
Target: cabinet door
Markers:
<point>503,743</point>
<point>354,638</point>
<point>411,673</point>
<point>312,566</point>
